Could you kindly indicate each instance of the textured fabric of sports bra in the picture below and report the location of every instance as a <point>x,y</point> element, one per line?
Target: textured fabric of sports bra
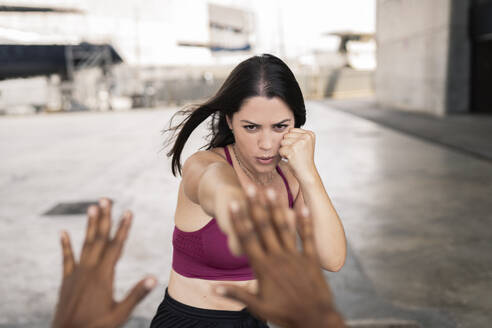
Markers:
<point>204,253</point>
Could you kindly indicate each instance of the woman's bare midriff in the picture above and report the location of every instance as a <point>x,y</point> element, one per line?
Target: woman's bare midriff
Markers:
<point>199,292</point>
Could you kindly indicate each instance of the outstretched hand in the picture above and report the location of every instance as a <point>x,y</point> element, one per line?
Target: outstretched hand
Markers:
<point>86,294</point>
<point>292,291</point>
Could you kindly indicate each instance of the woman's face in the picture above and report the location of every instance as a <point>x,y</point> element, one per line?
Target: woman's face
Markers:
<point>259,126</point>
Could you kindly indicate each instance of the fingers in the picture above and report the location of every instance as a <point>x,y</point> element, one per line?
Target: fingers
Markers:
<point>68,259</point>
<point>285,152</point>
<point>113,253</point>
<point>280,217</point>
<point>93,213</point>
<point>307,234</point>
<point>123,309</point>
<point>296,133</point>
<point>301,131</point>
<point>287,141</point>
<point>246,234</point>
<point>261,217</point>
<point>103,224</point>
<point>295,130</point>
<point>292,136</point>
<point>241,294</point>
<point>234,245</point>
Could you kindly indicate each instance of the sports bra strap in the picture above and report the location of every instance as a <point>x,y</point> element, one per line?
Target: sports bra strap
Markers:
<point>228,155</point>
<point>289,193</point>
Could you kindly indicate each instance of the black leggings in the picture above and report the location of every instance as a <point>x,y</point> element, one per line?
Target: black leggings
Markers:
<point>172,313</point>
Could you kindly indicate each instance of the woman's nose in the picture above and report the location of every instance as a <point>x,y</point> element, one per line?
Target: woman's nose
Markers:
<point>265,142</point>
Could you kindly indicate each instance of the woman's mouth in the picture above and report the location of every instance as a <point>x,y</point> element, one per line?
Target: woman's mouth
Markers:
<point>265,160</point>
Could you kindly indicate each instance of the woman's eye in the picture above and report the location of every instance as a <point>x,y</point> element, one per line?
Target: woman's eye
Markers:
<point>250,127</point>
<point>281,126</point>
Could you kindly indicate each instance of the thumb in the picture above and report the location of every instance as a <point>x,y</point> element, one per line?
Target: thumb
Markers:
<point>124,308</point>
<point>241,294</point>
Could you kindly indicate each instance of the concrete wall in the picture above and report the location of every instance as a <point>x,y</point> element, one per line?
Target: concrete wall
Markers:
<point>423,55</point>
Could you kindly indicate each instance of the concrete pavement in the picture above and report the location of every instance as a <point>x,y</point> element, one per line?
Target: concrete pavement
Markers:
<point>416,215</point>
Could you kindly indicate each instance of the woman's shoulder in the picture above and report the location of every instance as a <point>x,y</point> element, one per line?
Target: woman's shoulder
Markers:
<point>219,151</point>
<point>202,158</point>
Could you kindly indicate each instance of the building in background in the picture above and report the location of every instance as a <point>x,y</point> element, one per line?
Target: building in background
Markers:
<point>175,52</point>
<point>434,57</point>
<point>56,71</point>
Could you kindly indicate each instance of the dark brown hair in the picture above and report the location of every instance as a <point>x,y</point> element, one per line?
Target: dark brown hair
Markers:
<point>264,75</point>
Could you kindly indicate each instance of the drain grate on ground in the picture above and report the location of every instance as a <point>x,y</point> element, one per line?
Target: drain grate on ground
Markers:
<point>74,208</point>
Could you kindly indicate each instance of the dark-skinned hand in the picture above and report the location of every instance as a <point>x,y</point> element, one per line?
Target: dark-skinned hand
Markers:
<point>292,291</point>
<point>86,294</point>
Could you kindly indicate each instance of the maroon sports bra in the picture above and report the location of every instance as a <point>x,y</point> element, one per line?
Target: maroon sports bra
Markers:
<point>204,253</point>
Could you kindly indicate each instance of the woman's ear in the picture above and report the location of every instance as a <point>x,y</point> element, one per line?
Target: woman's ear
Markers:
<point>229,122</point>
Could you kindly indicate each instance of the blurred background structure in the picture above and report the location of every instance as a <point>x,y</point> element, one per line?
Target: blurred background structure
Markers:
<point>435,56</point>
<point>93,55</point>
<point>398,93</point>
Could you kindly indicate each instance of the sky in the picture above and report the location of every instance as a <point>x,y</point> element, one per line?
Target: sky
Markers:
<point>146,32</point>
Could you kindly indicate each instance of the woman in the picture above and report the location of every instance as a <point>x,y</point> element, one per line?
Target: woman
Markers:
<point>256,119</point>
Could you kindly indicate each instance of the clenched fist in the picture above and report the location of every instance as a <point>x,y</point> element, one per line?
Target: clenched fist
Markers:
<point>297,146</point>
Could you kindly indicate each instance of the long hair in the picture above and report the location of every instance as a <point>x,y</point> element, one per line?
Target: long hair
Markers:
<point>264,75</point>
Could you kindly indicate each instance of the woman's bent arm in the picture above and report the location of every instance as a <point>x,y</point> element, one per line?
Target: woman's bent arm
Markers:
<point>328,229</point>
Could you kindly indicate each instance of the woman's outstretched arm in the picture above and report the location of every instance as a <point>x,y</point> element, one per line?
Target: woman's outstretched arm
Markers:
<point>209,181</point>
